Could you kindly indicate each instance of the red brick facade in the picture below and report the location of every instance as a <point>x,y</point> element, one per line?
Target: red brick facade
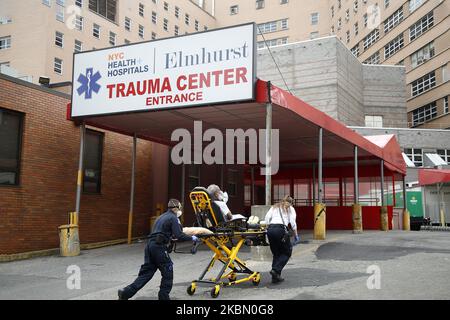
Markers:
<point>31,212</point>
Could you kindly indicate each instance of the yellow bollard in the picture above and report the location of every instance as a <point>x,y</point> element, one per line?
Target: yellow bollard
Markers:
<point>319,221</point>
<point>406,221</point>
<point>384,219</point>
<point>442,217</point>
<point>69,241</point>
<point>73,218</point>
<point>357,218</point>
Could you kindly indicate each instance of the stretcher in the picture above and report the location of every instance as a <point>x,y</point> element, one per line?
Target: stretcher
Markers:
<point>225,241</point>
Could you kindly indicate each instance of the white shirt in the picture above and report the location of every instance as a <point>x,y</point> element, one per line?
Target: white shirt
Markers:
<point>273,217</point>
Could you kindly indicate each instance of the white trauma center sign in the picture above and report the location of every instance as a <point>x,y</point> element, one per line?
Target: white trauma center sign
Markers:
<point>204,68</point>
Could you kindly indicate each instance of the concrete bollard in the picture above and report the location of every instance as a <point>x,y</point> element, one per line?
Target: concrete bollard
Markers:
<point>69,241</point>
<point>406,220</point>
<point>319,221</point>
<point>384,218</point>
<point>357,218</point>
<point>442,217</point>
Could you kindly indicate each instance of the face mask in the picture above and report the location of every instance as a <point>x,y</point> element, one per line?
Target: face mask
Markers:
<point>179,213</point>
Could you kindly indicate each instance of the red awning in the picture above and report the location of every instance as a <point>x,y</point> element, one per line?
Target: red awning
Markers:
<point>392,153</point>
<point>297,121</point>
<point>433,176</point>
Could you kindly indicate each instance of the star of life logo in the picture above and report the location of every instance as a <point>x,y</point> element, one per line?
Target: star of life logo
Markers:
<point>88,83</point>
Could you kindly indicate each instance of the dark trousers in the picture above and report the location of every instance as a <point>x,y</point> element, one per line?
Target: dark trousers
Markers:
<point>156,258</point>
<point>281,251</point>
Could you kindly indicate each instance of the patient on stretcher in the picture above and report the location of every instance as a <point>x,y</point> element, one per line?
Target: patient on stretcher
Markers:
<point>221,198</point>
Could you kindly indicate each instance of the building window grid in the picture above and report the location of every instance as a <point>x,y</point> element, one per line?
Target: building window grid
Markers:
<point>423,84</point>
<point>79,23</point>
<point>259,4</point>
<point>373,121</point>
<point>141,31</point>
<point>112,38</point>
<point>393,47</point>
<point>78,46</point>
<point>166,25</point>
<point>166,6</point>
<point>414,4</point>
<point>11,129</point>
<point>422,55</point>
<point>415,155</point>
<point>141,9</point>
<point>371,38</point>
<point>355,5</point>
<point>79,3</point>
<point>58,66</point>
<point>153,36</point>
<point>355,50</point>
<point>356,28</point>
<point>59,39</point>
<point>154,17</point>
<point>393,20</point>
<point>444,154</point>
<point>96,31</point>
<point>196,25</point>
<point>177,12</point>
<point>60,13</point>
<point>105,8</point>
<point>347,35</point>
<point>186,19</point>
<point>314,18</point>
<point>373,59</point>
<point>127,24</point>
<point>272,26</point>
<point>421,26</point>
<point>176,30</point>
<point>424,114</point>
<point>272,42</point>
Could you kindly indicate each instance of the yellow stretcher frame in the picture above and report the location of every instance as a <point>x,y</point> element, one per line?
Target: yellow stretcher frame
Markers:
<point>219,243</point>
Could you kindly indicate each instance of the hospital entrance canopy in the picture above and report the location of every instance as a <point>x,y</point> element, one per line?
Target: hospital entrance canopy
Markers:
<point>152,88</point>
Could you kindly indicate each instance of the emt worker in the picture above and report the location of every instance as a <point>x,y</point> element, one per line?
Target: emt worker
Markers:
<point>156,255</point>
<point>278,218</point>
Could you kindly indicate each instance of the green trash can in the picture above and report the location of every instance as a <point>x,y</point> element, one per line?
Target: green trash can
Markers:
<point>69,241</point>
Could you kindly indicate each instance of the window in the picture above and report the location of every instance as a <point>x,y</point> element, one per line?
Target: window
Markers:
<point>347,35</point>
<point>393,20</point>
<point>417,29</point>
<point>176,31</point>
<point>59,39</point>
<point>60,13</point>
<point>373,121</point>
<point>259,4</point>
<point>141,9</point>
<point>414,4</point>
<point>196,24</point>
<point>284,1</point>
<point>47,2</point>
<point>154,17</point>
<point>424,114</point>
<point>4,64</point>
<point>166,6</point>
<point>79,3</point>
<point>355,50</point>
<point>141,31</point>
<point>281,188</point>
<point>232,182</point>
<point>61,2</point>
<point>339,4</point>
<point>386,3</point>
<point>371,38</point>
<point>166,24</point>
<point>11,127</point>
<point>127,24</point>
<point>272,26</point>
<point>332,11</point>
<point>112,38</point>
<point>332,30</point>
<point>339,24</point>
<point>347,14</point>
<point>153,36</point>
<point>422,55</point>
<point>5,20</point>
<point>105,8</point>
<point>355,29</point>
<point>92,161</point>
<point>365,18</point>
<point>57,66</point>
<point>177,12</point>
<point>78,46</point>
<point>186,19</point>
<point>423,84</point>
<point>193,176</point>
<point>96,31</point>
<point>446,105</point>
<point>284,24</point>
<point>415,155</point>
<point>394,46</point>
<point>205,28</point>
<point>355,5</point>
<point>79,23</point>
<point>272,42</point>
<point>234,10</point>
<point>373,59</point>
<point>443,153</point>
<point>314,35</point>
<point>314,18</point>
<point>126,41</point>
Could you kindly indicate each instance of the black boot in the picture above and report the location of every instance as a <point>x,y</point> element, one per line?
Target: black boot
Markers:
<point>276,277</point>
<point>121,294</point>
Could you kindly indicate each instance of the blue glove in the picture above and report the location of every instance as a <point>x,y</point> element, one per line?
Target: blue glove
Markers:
<point>195,239</point>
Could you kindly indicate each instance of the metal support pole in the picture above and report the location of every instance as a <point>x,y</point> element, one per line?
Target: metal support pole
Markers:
<point>314,185</point>
<point>382,183</point>
<point>404,192</point>
<point>320,191</point>
<point>183,182</point>
<point>268,201</point>
<point>356,179</point>
<point>80,170</point>
<point>133,178</point>
<point>252,189</point>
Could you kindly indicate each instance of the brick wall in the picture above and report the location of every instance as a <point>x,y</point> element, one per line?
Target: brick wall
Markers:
<point>31,212</point>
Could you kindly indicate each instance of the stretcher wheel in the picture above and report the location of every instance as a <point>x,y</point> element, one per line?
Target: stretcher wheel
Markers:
<point>191,290</point>
<point>257,279</point>
<point>215,291</point>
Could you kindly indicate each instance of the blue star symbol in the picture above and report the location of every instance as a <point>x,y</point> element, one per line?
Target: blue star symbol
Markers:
<point>89,83</point>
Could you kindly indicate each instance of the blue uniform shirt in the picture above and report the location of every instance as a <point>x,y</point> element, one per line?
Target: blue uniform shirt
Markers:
<point>168,225</point>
